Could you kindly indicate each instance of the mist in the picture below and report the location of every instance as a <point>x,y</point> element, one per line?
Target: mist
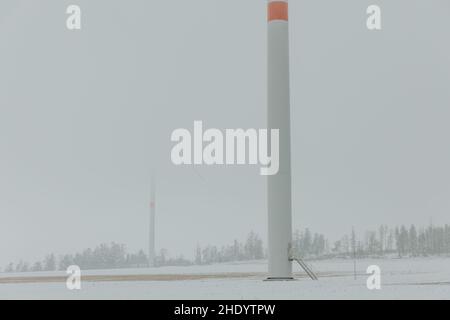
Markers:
<point>86,117</point>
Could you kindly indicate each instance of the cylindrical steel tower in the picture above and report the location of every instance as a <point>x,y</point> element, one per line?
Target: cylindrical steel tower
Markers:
<point>279,185</point>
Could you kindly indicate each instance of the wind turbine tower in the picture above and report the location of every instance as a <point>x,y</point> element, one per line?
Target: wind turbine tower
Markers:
<point>152,229</point>
<point>279,185</point>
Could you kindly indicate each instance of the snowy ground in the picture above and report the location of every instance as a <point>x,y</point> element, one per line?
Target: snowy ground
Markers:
<point>401,279</point>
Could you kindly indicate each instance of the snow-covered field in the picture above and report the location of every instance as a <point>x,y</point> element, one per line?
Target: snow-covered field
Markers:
<point>401,279</point>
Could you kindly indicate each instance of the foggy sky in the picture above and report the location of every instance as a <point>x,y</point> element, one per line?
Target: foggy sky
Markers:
<point>86,115</point>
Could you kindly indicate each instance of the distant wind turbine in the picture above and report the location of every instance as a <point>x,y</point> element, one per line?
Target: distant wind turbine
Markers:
<point>152,229</point>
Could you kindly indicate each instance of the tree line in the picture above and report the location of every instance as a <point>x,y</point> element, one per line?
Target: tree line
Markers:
<point>104,256</point>
<point>251,249</point>
<point>400,241</point>
<point>115,256</point>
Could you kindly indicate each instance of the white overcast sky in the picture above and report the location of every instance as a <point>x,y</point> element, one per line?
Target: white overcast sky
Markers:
<point>85,115</point>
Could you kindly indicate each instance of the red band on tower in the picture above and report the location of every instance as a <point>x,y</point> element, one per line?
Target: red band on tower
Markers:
<point>278,10</point>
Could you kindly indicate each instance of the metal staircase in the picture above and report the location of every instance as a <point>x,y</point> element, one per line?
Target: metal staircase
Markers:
<point>305,267</point>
